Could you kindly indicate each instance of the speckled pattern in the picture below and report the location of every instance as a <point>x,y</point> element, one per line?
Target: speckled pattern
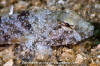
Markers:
<point>14,27</point>
<point>45,27</point>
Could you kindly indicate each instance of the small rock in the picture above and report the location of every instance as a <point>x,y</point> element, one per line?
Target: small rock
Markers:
<point>77,6</point>
<point>67,55</point>
<point>93,64</point>
<point>98,56</point>
<point>3,3</point>
<point>21,5</point>
<point>1,61</point>
<point>98,47</point>
<point>7,54</point>
<point>42,52</point>
<point>79,59</point>
<point>9,63</point>
<point>61,2</point>
<point>49,65</point>
<point>97,6</point>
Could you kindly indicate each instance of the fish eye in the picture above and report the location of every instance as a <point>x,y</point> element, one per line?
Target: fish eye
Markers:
<point>68,25</point>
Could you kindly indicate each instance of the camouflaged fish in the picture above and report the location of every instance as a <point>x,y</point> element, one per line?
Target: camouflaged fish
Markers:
<point>43,26</point>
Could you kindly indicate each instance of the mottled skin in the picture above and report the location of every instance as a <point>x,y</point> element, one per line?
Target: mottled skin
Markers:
<point>14,27</point>
<point>40,27</point>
